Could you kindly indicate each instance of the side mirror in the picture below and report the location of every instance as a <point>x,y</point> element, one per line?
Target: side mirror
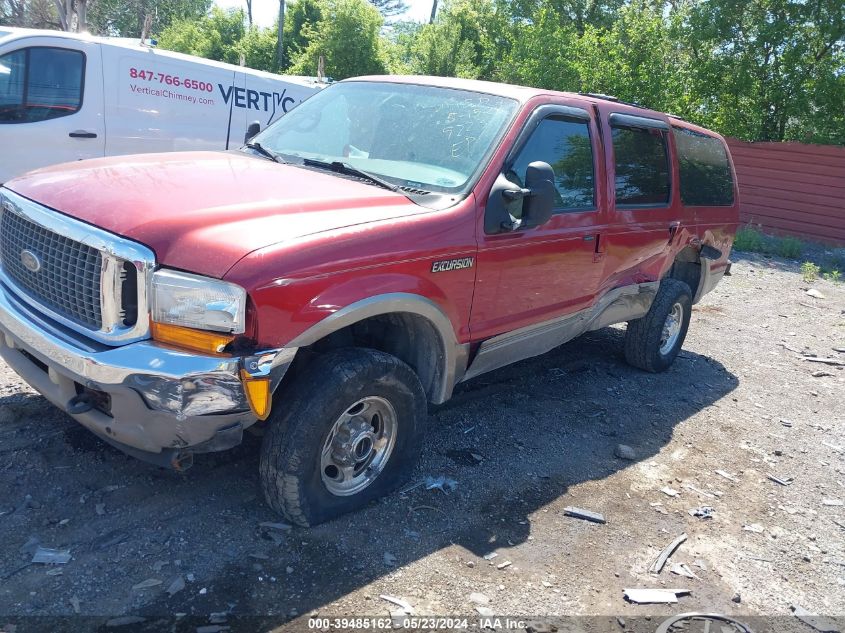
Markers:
<point>252,131</point>
<point>539,201</point>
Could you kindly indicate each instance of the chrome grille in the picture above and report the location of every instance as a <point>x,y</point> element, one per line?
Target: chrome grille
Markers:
<point>68,280</point>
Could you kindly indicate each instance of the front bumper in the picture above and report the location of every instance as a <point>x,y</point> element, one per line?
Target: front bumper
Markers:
<point>155,402</point>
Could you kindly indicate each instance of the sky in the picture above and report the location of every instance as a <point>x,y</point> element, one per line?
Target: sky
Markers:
<point>264,12</point>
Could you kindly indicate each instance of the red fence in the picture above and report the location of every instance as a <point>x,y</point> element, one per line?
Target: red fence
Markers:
<point>792,188</point>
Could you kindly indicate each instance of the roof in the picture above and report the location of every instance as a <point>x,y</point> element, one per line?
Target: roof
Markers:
<point>135,44</point>
<point>525,93</point>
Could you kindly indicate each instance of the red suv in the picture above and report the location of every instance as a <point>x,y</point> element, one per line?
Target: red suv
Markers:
<point>384,241</point>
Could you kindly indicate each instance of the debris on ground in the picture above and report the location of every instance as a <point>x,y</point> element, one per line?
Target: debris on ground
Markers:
<point>827,361</point>
<point>50,556</point>
<point>442,483</point>
<point>485,612</point>
<point>507,563</point>
<point>654,596</point>
<point>402,604</point>
<point>74,603</point>
<point>146,584</point>
<point>783,482</point>
<point>737,598</point>
<point>825,502</point>
<point>623,451</point>
<point>490,555</point>
<point>682,569</point>
<point>726,475</point>
<point>817,294</point>
<point>669,491</point>
<point>657,566</point>
<point>587,515</point>
<point>389,559</point>
<point>478,598</point>
<point>275,526</point>
<point>702,512</point>
<point>754,527</point>
<point>709,495</point>
<point>821,374</point>
<point>176,585</point>
<point>820,623</point>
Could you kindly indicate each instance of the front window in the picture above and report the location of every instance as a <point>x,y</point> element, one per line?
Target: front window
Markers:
<point>419,137</point>
<point>40,83</point>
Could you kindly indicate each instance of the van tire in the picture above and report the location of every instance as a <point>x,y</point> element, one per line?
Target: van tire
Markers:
<point>296,448</point>
<point>652,342</point>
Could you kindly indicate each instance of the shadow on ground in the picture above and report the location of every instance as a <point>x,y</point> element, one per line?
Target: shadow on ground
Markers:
<point>514,440</point>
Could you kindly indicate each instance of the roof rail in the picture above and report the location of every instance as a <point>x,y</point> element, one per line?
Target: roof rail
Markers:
<point>598,95</point>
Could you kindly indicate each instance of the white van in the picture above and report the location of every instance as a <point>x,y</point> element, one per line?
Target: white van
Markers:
<point>66,96</point>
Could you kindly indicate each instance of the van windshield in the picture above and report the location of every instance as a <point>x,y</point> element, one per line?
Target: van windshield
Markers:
<point>421,137</point>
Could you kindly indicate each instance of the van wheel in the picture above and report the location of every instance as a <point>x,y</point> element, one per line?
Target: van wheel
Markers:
<point>653,342</point>
<point>349,431</point>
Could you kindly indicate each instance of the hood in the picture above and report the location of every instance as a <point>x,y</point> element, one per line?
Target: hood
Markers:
<point>203,211</point>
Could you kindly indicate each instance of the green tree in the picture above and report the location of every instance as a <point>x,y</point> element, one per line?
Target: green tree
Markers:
<point>216,36</point>
<point>347,36</point>
<point>126,17</point>
<point>301,19</point>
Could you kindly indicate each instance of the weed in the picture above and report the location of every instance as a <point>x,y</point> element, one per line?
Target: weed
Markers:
<point>810,271</point>
<point>834,275</point>
<point>789,247</point>
<point>750,240</point>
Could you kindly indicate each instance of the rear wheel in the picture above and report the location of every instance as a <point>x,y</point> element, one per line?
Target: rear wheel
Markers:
<point>652,343</point>
<point>349,431</point>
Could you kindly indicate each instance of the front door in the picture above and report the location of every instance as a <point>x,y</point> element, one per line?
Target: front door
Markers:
<point>51,103</point>
<point>529,276</point>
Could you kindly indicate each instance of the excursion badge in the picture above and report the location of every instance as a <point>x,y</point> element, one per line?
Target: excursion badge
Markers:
<point>452,264</point>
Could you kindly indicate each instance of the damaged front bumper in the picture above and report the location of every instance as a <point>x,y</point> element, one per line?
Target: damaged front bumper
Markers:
<point>156,403</point>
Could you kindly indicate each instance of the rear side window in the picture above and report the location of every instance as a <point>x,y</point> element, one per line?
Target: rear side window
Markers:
<point>40,83</point>
<point>642,166</point>
<point>705,171</point>
<point>565,145</point>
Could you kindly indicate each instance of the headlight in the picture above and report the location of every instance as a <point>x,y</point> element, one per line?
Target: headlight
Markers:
<point>198,302</point>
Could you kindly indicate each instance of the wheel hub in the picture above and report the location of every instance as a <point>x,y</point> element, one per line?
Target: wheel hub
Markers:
<point>671,329</point>
<point>358,446</point>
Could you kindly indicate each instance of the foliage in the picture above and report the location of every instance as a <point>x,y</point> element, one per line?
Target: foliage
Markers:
<point>749,240</point>
<point>218,36</point>
<point>810,271</point>
<point>756,70</point>
<point>126,17</point>
<point>345,55</point>
<point>790,247</point>
<point>834,275</point>
<point>390,8</point>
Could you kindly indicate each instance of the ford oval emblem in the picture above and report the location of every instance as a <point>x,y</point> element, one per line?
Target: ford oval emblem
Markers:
<point>30,261</point>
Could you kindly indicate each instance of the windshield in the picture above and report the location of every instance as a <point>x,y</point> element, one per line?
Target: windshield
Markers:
<point>421,137</point>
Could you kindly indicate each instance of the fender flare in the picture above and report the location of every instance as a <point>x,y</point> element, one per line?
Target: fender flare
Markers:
<point>454,355</point>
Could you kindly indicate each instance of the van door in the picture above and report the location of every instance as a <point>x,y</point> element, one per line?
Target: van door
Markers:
<point>532,276</point>
<point>51,103</point>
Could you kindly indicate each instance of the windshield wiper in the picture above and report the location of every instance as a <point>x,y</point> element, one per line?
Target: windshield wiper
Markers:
<point>346,168</point>
<point>258,147</point>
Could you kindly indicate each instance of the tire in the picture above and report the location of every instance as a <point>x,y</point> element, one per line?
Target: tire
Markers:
<point>645,345</point>
<point>351,394</point>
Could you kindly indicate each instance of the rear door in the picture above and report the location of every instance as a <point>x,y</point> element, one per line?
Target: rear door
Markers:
<point>51,103</point>
<point>528,276</point>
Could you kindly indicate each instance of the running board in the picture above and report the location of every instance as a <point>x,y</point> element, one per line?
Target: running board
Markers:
<point>615,306</point>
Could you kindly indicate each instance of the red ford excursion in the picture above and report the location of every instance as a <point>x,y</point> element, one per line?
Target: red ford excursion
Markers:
<point>386,240</point>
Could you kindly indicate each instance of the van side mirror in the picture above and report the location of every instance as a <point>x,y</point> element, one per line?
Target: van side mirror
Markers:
<point>539,202</point>
<point>252,131</point>
<point>536,200</point>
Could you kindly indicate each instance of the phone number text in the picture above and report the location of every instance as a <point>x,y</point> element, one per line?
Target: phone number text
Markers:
<point>170,80</point>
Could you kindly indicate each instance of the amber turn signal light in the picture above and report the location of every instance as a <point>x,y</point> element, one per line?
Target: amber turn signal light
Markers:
<point>189,338</point>
<point>258,394</point>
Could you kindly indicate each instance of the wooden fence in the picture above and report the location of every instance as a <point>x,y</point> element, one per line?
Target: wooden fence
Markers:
<point>792,188</point>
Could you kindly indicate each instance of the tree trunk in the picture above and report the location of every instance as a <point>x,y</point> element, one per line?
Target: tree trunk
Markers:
<point>433,12</point>
<point>249,12</point>
<point>280,47</point>
<point>63,17</point>
<point>82,16</point>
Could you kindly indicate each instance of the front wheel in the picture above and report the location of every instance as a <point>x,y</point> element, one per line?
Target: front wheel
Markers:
<point>349,432</point>
<point>653,342</point>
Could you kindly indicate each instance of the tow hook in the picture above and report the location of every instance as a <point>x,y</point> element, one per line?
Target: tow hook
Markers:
<point>79,404</point>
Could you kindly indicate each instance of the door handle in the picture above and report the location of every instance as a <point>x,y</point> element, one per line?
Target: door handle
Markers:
<point>82,134</point>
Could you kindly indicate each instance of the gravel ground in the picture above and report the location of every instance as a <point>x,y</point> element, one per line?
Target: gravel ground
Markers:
<point>522,444</point>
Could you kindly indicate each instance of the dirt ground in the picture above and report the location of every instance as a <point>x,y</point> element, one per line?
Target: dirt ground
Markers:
<point>522,443</point>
